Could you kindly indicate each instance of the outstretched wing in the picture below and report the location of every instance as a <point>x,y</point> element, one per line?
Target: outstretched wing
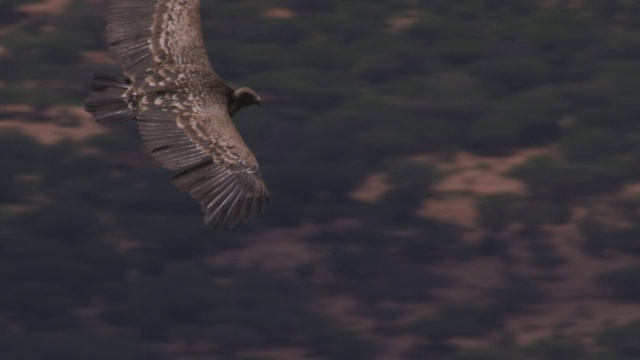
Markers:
<point>187,127</point>
<point>146,34</point>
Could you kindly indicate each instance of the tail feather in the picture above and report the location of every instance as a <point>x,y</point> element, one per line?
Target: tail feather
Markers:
<point>107,101</point>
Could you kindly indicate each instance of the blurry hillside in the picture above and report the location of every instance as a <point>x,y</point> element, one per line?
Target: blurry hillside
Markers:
<point>450,180</point>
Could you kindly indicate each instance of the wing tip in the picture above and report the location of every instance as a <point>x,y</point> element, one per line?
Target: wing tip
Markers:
<point>224,196</point>
<point>232,216</point>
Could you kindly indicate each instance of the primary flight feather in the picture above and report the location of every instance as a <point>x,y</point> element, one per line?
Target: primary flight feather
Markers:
<point>182,108</point>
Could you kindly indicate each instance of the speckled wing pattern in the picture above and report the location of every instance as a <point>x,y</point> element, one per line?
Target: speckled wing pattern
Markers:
<point>183,116</point>
<point>146,34</point>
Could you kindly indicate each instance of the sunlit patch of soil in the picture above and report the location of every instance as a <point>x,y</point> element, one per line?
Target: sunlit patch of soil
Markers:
<point>98,57</point>
<point>279,13</point>
<point>48,7</point>
<point>81,125</point>
<point>273,249</point>
<point>281,354</point>
<point>8,110</point>
<point>459,210</point>
<point>401,23</point>
<point>371,189</point>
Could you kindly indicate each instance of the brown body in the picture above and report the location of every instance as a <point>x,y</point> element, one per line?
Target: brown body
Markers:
<point>183,109</point>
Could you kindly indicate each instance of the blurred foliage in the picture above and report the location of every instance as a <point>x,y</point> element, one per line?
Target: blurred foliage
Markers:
<point>75,345</point>
<point>623,283</point>
<point>548,177</point>
<point>556,348</point>
<point>496,211</point>
<point>621,340</point>
<point>455,320</point>
<point>599,237</point>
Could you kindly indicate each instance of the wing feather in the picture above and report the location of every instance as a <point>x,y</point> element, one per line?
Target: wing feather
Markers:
<point>183,115</point>
<point>222,196</point>
<point>217,168</point>
<point>146,34</point>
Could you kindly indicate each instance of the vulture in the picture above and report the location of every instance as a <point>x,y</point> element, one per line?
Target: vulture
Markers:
<point>182,108</point>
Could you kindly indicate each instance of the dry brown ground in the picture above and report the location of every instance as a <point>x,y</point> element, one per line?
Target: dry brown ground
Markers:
<point>51,132</point>
<point>47,7</point>
<point>98,57</point>
<point>279,13</point>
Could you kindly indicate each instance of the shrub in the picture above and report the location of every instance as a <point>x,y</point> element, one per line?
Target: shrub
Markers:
<point>10,189</point>
<point>523,119</point>
<point>326,341</point>
<point>268,308</point>
<point>487,354</point>
<point>592,143</point>
<point>114,143</point>
<point>412,181</point>
<point>549,177</point>
<point>623,283</point>
<point>325,55</point>
<point>178,238</point>
<point>545,255</point>
<point>456,320</point>
<point>627,239</point>
<point>8,11</point>
<point>510,67</point>
<point>558,28</point>
<point>557,349</point>
<point>69,222</point>
<point>432,29</point>
<point>492,245</point>
<point>596,238</point>
<point>534,213</point>
<point>460,52</point>
<point>38,306</point>
<point>515,295</point>
<point>623,340</point>
<point>75,345</point>
<point>375,275</point>
<point>20,152</point>
<point>431,241</point>
<point>320,6</point>
<point>496,211</point>
<point>378,68</point>
<point>454,96</point>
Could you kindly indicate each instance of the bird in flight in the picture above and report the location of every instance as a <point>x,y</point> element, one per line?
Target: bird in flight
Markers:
<point>181,106</point>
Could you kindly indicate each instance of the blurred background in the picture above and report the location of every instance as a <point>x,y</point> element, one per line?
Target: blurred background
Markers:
<point>450,180</point>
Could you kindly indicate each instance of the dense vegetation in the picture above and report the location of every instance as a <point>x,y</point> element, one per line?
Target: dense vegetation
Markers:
<point>101,258</point>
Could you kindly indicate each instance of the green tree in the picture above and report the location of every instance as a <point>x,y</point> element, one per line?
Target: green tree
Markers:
<point>621,340</point>
<point>496,211</point>
<point>557,349</point>
<point>624,283</point>
<point>411,182</point>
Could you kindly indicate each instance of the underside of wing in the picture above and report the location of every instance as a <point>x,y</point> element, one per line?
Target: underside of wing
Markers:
<point>146,34</point>
<point>217,168</point>
<point>226,193</point>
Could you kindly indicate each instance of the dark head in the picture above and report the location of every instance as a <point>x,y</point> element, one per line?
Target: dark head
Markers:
<point>245,96</point>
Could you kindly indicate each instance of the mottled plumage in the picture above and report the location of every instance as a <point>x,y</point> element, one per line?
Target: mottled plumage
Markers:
<point>183,109</point>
